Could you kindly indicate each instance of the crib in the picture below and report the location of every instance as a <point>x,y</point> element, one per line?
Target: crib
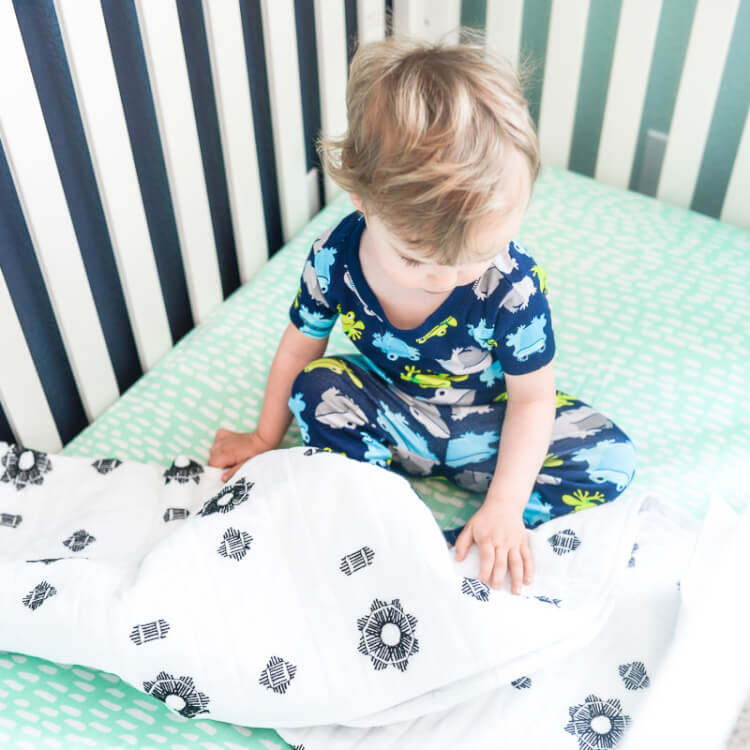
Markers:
<point>159,191</point>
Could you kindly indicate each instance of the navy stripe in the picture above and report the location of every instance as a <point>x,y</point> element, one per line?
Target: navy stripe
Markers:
<point>352,30</point>
<point>32,304</point>
<point>195,43</point>
<point>728,121</point>
<point>252,29</point>
<point>137,102</point>
<point>596,66</point>
<point>388,17</point>
<point>307,63</point>
<point>473,15</point>
<point>54,86</point>
<point>534,34</point>
<point>670,48</point>
<point>6,433</point>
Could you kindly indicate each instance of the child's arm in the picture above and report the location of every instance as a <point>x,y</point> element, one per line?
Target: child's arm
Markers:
<point>497,527</point>
<point>295,350</point>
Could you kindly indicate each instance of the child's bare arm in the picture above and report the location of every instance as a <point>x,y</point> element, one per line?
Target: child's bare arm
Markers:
<point>231,449</point>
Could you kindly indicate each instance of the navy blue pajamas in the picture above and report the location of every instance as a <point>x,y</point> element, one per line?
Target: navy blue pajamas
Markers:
<point>431,400</point>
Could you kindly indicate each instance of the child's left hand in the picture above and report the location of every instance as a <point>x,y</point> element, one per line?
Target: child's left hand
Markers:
<point>502,539</point>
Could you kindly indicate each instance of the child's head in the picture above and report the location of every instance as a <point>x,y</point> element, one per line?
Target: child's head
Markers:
<point>440,150</point>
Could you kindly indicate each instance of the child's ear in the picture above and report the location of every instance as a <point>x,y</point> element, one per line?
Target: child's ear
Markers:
<point>357,202</point>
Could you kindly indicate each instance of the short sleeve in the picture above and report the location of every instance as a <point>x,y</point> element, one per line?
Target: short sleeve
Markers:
<point>523,329</point>
<point>311,311</point>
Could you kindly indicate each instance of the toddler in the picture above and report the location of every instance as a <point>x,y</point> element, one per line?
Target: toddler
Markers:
<point>449,312</point>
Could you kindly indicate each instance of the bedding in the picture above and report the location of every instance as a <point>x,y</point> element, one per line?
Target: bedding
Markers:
<point>651,322</point>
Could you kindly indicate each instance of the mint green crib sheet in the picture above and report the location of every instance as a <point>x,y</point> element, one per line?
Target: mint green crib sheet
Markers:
<point>651,316</point>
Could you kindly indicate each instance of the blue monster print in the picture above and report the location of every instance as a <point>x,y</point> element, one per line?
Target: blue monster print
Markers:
<point>403,436</point>
<point>517,247</point>
<point>323,260</point>
<point>492,373</point>
<point>367,364</point>
<point>316,325</point>
<point>536,511</point>
<point>394,347</point>
<point>481,334</point>
<point>376,452</point>
<point>527,340</point>
<point>471,447</point>
<point>609,461</point>
<point>297,406</point>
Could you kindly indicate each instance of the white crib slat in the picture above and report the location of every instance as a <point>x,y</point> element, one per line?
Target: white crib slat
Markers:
<point>229,70</point>
<point>330,37</point>
<point>167,70</point>
<point>87,47</point>
<point>21,392</point>
<point>634,49</point>
<point>736,207</point>
<point>43,202</point>
<point>370,20</point>
<point>562,73</point>
<point>427,19</point>
<point>503,29</point>
<point>280,41</point>
<point>701,77</point>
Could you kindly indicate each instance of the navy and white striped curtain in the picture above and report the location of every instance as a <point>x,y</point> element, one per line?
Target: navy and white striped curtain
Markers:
<point>153,153</point>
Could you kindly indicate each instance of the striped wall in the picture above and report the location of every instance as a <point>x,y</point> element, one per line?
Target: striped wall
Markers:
<point>154,153</point>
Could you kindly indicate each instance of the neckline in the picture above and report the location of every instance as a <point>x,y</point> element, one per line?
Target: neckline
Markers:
<point>371,299</point>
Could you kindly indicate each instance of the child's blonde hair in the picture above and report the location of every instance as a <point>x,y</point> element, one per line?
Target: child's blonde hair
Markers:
<point>430,126</point>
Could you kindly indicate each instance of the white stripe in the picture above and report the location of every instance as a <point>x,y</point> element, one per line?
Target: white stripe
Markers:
<point>45,208</point>
<point>634,49</point>
<point>21,391</point>
<point>370,20</point>
<point>165,57</point>
<point>87,47</point>
<point>427,19</point>
<point>696,97</point>
<point>280,41</point>
<point>229,68</point>
<point>736,207</point>
<point>330,38</point>
<point>503,29</point>
<point>562,73</point>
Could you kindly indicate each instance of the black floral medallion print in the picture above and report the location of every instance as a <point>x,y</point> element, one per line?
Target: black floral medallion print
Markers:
<point>175,514</point>
<point>474,587</point>
<point>105,465</point>
<point>355,561</point>
<point>178,694</point>
<point>597,724</point>
<point>38,595</point>
<point>235,544</point>
<point>10,519</point>
<point>388,635</point>
<point>522,683</point>
<point>631,562</point>
<point>564,541</point>
<point>48,560</point>
<point>230,496</point>
<point>634,675</point>
<point>277,674</point>
<point>24,466</point>
<point>151,631</point>
<point>313,451</point>
<point>182,470</point>
<point>78,540</point>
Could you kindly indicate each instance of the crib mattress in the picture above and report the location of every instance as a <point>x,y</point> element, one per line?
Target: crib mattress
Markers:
<point>651,319</point>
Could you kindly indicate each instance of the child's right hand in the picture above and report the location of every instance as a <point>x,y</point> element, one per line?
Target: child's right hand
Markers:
<point>231,449</point>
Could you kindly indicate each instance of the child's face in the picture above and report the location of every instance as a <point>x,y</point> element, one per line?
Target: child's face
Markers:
<point>410,269</point>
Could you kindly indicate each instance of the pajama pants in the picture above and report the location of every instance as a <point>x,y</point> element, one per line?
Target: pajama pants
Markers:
<point>342,405</point>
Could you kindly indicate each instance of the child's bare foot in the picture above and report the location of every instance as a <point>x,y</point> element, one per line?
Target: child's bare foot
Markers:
<point>231,449</point>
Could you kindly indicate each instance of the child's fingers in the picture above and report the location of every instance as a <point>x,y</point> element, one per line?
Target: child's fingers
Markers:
<point>227,474</point>
<point>515,566</point>
<point>463,543</point>
<point>528,563</point>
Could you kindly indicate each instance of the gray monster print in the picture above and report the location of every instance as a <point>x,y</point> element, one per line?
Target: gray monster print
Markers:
<point>311,282</point>
<point>477,481</point>
<point>579,423</point>
<point>453,396</point>
<point>337,410</point>
<point>466,360</point>
<point>487,282</point>
<point>413,463</point>
<point>517,297</point>
<point>427,415</point>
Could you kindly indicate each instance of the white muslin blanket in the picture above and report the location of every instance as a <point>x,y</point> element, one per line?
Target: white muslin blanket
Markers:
<point>316,594</point>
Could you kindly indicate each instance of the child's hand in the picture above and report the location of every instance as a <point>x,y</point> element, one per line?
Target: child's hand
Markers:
<point>231,449</point>
<point>502,539</point>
